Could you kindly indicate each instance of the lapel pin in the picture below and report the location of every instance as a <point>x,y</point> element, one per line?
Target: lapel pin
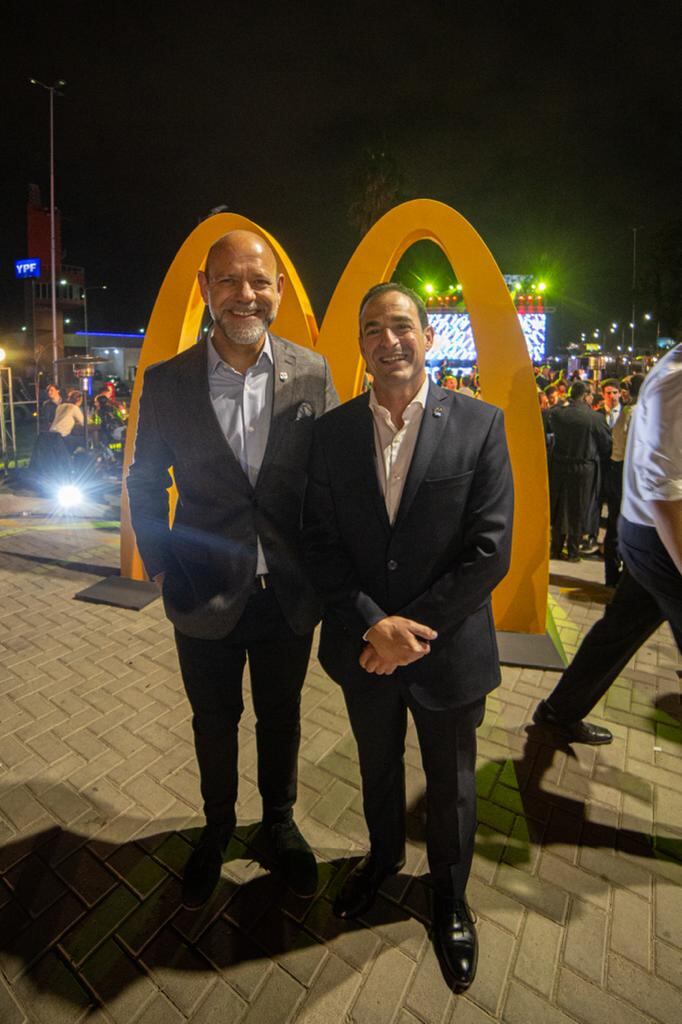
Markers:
<point>283,375</point>
<point>438,411</point>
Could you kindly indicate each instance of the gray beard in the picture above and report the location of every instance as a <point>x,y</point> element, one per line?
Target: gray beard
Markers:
<point>248,334</point>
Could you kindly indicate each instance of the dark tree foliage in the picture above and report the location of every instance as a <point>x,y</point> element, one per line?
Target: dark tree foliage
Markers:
<point>377,187</point>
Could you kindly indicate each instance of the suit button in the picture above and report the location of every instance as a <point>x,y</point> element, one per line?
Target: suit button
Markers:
<point>392,565</point>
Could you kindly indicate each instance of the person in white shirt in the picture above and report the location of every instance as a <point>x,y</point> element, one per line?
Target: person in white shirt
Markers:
<point>68,415</point>
<point>650,540</point>
<point>650,525</point>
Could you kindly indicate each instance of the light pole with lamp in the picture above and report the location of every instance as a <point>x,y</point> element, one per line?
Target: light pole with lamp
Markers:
<point>648,317</point>
<point>52,89</point>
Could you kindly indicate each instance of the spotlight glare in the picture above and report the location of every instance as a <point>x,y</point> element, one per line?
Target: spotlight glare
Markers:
<point>69,497</point>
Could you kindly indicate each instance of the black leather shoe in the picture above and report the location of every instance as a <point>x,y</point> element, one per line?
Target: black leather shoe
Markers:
<point>202,871</point>
<point>294,858</point>
<point>455,941</point>
<point>360,888</point>
<point>575,732</point>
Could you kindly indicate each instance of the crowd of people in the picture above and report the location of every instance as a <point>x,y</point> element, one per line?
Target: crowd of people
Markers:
<point>62,429</point>
<point>586,423</point>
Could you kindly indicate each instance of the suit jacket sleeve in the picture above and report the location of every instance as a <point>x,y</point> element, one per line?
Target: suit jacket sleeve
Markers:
<point>331,399</point>
<point>603,437</point>
<point>486,544</point>
<point>329,566</point>
<point>148,482</point>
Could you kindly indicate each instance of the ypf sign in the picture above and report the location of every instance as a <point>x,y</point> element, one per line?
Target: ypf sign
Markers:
<point>24,269</point>
<point>520,601</point>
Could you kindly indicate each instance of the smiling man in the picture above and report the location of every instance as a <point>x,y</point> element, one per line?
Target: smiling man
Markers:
<point>407,528</point>
<point>233,416</point>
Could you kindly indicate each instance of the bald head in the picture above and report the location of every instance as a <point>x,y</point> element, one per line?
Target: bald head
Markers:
<point>242,288</point>
<point>242,245</point>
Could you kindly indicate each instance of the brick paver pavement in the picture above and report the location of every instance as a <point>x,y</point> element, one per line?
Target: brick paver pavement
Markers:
<point>576,879</point>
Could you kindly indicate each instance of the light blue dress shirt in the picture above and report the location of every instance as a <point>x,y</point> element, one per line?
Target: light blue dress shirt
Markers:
<point>242,403</point>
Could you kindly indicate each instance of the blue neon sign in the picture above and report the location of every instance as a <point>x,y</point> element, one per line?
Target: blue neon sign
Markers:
<point>27,268</point>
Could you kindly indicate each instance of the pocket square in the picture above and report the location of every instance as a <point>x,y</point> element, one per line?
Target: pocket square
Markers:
<point>304,410</point>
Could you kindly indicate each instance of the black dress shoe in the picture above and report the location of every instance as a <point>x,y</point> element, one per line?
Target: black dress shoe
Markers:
<point>202,871</point>
<point>575,732</point>
<point>455,941</point>
<point>294,858</point>
<point>360,888</point>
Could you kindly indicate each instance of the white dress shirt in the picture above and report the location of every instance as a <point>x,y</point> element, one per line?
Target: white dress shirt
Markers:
<point>242,403</point>
<point>653,455</point>
<point>394,447</point>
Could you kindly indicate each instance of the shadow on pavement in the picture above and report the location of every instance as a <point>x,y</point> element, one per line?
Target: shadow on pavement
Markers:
<point>83,919</point>
<point>91,569</point>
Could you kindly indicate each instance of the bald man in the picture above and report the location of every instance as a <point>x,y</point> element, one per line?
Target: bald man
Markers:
<point>233,417</point>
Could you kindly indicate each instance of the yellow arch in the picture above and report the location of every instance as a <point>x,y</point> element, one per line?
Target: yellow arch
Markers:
<point>520,602</point>
<point>174,326</point>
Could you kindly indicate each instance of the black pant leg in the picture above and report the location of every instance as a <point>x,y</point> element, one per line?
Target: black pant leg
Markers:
<point>278,660</point>
<point>573,545</point>
<point>447,740</point>
<point>649,562</point>
<point>557,543</point>
<point>614,494</point>
<point>628,621</point>
<point>378,718</point>
<point>212,674</point>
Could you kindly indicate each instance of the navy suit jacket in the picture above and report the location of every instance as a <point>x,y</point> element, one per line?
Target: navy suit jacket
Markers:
<point>448,548</point>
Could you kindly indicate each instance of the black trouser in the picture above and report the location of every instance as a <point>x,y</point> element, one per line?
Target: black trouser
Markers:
<point>212,673</point>
<point>572,543</point>
<point>447,739</point>
<point>627,623</point>
<point>648,561</point>
<point>614,495</point>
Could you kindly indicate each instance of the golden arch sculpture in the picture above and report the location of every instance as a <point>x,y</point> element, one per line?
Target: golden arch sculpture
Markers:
<point>520,602</point>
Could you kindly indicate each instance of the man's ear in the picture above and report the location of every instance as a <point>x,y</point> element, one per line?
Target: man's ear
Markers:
<point>203,285</point>
<point>280,285</point>
<point>428,337</point>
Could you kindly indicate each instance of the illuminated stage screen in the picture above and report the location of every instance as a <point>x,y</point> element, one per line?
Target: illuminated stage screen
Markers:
<point>454,339</point>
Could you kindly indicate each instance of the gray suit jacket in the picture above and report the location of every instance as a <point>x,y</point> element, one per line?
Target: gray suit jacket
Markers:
<point>209,556</point>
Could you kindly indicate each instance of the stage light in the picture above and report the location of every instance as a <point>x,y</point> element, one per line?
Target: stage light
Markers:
<point>428,288</point>
<point>542,285</point>
<point>3,355</point>
<point>69,497</point>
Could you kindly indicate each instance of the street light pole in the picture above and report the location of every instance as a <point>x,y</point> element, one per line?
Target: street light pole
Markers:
<point>52,89</point>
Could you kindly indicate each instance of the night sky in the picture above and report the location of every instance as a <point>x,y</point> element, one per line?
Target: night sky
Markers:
<point>553,127</point>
